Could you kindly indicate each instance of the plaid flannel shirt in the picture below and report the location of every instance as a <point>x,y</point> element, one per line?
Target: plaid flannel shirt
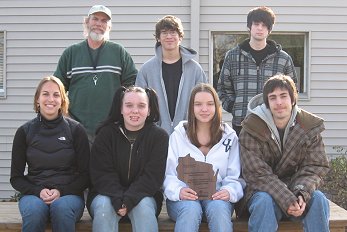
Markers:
<point>241,79</point>
<point>298,169</point>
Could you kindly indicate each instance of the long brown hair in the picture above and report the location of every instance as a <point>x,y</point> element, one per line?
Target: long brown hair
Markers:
<point>191,127</point>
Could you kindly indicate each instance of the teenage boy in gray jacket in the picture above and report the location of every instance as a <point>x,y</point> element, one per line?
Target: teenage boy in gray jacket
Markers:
<point>172,72</point>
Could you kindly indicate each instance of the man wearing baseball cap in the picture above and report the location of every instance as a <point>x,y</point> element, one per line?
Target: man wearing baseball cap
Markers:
<point>94,69</point>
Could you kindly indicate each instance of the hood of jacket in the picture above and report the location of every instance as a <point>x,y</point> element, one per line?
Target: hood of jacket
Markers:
<point>273,46</point>
<point>227,130</point>
<point>257,107</point>
<point>186,53</point>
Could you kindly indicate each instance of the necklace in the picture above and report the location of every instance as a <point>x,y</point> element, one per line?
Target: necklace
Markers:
<point>95,62</point>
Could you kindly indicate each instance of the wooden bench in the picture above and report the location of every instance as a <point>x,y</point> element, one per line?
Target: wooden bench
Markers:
<point>10,220</point>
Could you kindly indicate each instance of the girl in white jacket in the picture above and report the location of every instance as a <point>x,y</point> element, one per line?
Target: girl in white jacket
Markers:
<point>207,140</point>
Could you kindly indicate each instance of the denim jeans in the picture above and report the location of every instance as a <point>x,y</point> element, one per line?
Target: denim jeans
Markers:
<point>105,219</point>
<point>189,214</point>
<point>265,218</point>
<point>63,213</point>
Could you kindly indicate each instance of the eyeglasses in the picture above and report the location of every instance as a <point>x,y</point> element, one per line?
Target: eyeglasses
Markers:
<point>171,32</point>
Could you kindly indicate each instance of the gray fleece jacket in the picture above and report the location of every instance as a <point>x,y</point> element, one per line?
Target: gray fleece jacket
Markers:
<point>150,76</point>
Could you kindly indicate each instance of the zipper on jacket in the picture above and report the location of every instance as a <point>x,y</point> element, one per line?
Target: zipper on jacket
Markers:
<point>131,151</point>
<point>258,75</point>
<point>129,165</point>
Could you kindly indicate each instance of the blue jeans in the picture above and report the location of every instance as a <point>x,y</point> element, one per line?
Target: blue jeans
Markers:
<point>142,216</point>
<point>265,213</point>
<point>63,213</point>
<point>189,214</point>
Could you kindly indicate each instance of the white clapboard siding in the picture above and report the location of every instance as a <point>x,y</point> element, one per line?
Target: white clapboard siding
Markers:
<point>326,23</point>
<point>38,31</point>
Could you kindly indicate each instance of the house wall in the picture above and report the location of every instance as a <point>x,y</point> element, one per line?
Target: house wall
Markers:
<point>38,32</point>
<point>326,24</point>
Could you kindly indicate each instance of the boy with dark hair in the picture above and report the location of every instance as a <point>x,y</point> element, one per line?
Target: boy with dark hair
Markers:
<point>261,14</point>
<point>247,66</point>
<point>172,72</point>
<point>169,22</point>
<point>283,160</point>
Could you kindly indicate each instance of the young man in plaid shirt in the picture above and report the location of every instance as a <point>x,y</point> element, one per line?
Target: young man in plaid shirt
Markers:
<point>283,160</point>
<point>247,66</point>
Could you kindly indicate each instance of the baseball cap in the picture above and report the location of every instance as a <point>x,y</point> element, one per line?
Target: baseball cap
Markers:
<point>100,8</point>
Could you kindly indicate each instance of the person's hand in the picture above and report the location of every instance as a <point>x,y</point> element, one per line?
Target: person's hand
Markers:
<point>122,211</point>
<point>297,209</point>
<point>221,195</point>
<point>188,194</point>
<point>49,195</point>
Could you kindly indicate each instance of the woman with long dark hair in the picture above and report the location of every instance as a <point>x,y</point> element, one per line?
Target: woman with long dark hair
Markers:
<point>207,140</point>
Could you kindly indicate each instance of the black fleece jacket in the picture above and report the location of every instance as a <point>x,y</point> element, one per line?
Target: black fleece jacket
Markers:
<point>128,173</point>
<point>57,154</point>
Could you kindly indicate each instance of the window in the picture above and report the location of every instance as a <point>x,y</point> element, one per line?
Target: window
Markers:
<point>295,44</point>
<point>2,64</point>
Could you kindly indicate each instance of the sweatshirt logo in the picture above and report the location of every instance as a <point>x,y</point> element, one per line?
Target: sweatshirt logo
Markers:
<point>227,145</point>
<point>62,138</point>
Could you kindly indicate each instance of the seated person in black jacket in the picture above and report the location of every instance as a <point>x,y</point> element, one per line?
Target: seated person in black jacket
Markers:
<point>128,163</point>
<point>56,150</point>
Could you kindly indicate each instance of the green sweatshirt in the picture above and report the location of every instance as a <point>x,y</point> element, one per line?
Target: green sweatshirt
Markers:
<point>91,79</point>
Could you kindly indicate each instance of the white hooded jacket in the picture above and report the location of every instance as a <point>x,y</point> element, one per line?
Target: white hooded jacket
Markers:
<point>224,156</point>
